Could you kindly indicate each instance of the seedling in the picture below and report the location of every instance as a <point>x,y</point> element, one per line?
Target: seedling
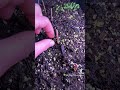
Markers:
<point>44,7</point>
<point>51,10</point>
<point>67,6</point>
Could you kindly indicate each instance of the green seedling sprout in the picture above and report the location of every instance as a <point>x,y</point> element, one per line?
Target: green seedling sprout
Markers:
<point>67,6</point>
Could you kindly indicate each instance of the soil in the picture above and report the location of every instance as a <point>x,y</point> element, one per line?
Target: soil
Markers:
<point>62,67</point>
<point>102,45</point>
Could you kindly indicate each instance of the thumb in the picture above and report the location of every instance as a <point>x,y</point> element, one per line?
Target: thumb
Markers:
<point>42,46</point>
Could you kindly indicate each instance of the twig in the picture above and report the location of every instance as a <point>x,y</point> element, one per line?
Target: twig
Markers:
<point>44,6</point>
<point>51,14</point>
<point>57,36</point>
<point>62,50</point>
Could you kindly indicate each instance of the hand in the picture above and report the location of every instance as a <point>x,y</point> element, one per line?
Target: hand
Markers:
<point>19,46</point>
<point>12,49</point>
<point>7,8</point>
<point>42,22</point>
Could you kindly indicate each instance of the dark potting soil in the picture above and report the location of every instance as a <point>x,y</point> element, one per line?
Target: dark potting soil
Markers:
<point>102,45</point>
<point>62,66</point>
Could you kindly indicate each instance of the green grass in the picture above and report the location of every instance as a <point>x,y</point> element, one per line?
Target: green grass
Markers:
<point>67,6</point>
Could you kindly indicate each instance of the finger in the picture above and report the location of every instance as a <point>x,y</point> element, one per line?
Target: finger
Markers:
<point>6,12</point>
<point>42,46</point>
<point>28,7</point>
<point>38,11</point>
<point>37,31</point>
<point>3,3</point>
<point>7,7</point>
<point>44,22</point>
<point>37,25</point>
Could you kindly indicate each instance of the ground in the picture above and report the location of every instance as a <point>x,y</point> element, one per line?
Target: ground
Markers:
<point>102,45</point>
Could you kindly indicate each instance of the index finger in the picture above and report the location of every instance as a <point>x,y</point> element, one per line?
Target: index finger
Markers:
<point>38,11</point>
<point>42,22</point>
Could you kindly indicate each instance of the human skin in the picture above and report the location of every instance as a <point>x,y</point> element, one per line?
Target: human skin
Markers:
<point>17,47</point>
<point>42,22</point>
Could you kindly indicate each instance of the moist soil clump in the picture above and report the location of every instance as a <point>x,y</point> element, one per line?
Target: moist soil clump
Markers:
<point>62,66</point>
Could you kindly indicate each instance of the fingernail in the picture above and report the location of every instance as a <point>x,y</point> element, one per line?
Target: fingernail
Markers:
<point>52,43</point>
